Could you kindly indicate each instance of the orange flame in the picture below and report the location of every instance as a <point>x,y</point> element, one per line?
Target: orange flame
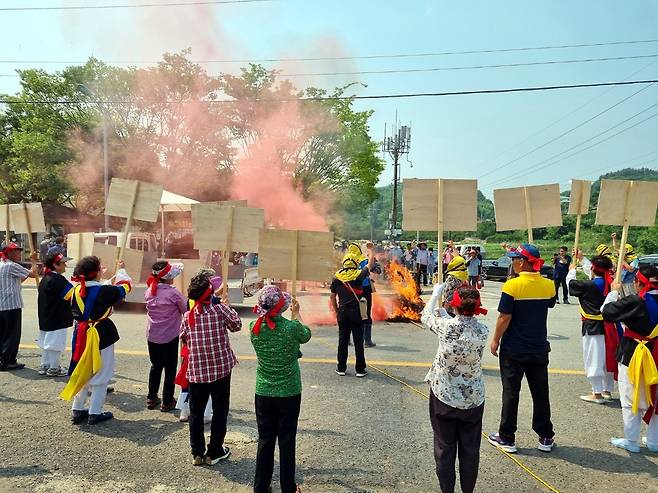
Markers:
<point>408,304</point>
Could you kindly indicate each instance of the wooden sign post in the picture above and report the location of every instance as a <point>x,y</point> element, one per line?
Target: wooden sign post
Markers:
<point>5,221</point>
<point>132,200</point>
<point>627,203</point>
<point>227,228</point>
<point>28,219</point>
<point>527,208</point>
<point>439,205</point>
<point>579,205</point>
<point>296,256</point>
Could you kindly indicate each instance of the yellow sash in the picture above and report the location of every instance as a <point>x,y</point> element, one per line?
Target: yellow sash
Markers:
<point>589,316</point>
<point>90,363</point>
<point>641,366</point>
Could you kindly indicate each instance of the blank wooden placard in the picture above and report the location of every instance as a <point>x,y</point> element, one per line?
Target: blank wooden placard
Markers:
<point>4,213</point>
<point>579,198</point>
<point>315,257</point>
<point>108,255</point>
<point>147,204</point>
<point>190,268</point>
<point>211,227</point>
<point>642,204</point>
<point>79,245</point>
<point>545,208</point>
<point>420,204</point>
<point>19,221</point>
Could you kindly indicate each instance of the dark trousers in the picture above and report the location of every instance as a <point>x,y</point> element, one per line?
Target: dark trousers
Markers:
<point>163,357</point>
<point>473,281</point>
<point>10,335</point>
<point>367,324</point>
<point>345,328</point>
<point>220,391</point>
<point>277,420</point>
<point>565,289</point>
<point>421,272</point>
<point>535,369</point>
<point>456,430</point>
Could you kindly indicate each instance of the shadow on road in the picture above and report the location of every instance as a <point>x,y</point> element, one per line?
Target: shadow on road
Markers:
<point>13,472</point>
<point>607,461</point>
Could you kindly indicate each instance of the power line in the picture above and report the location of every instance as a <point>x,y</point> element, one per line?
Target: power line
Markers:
<point>128,6</point>
<point>463,67</point>
<point>535,168</point>
<point>562,118</point>
<point>338,98</point>
<point>358,57</point>
<point>554,139</point>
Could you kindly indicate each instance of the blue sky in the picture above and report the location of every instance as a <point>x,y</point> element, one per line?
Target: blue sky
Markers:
<point>452,137</point>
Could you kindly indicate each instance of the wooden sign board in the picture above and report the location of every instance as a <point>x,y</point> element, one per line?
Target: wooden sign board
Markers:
<point>420,202</point>
<point>147,201</point>
<point>108,254</point>
<point>234,203</point>
<point>642,203</point>
<point>4,216</point>
<point>79,245</point>
<point>315,255</point>
<point>220,227</point>
<point>19,220</point>
<point>581,192</point>
<point>543,201</point>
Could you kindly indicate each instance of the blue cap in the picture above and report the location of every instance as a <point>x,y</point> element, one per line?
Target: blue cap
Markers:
<point>531,249</point>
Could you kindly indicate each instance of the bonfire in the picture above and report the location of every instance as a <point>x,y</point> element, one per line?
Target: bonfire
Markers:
<point>407,305</point>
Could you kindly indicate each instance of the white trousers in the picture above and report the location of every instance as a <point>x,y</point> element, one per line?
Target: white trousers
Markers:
<point>184,405</point>
<point>594,361</point>
<point>52,343</point>
<point>633,422</point>
<point>97,385</point>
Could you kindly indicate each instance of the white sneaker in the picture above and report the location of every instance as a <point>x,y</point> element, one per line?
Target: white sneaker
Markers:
<point>651,447</point>
<point>56,372</point>
<point>42,370</point>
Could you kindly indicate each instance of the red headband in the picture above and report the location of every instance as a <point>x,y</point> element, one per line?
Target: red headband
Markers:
<point>56,260</point>
<point>275,310</point>
<point>204,300</point>
<point>154,279</point>
<point>647,284</point>
<point>83,281</point>
<point>457,303</point>
<point>535,261</point>
<point>606,274</point>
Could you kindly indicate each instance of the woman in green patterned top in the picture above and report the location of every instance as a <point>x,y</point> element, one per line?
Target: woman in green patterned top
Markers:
<point>276,341</point>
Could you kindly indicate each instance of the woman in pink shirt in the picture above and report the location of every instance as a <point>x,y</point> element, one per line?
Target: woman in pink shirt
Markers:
<point>165,306</point>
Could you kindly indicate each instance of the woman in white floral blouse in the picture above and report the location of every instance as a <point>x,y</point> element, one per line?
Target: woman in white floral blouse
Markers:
<point>457,386</point>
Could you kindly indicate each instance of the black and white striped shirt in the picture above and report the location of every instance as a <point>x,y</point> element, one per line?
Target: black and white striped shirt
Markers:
<point>12,276</point>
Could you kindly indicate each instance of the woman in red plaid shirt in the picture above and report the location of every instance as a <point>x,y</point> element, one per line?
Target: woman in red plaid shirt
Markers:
<point>205,330</point>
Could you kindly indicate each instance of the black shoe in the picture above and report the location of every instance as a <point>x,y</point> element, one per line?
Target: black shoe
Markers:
<point>12,366</point>
<point>99,418</point>
<point>212,460</point>
<point>566,302</point>
<point>361,374</point>
<point>370,344</point>
<point>557,302</point>
<point>79,416</point>
<point>110,390</point>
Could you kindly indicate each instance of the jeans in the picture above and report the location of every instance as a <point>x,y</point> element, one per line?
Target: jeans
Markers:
<point>473,281</point>
<point>220,390</point>
<point>345,328</point>
<point>367,324</point>
<point>163,357</point>
<point>456,431</point>
<point>277,420</point>
<point>565,289</point>
<point>535,369</point>
<point>10,335</point>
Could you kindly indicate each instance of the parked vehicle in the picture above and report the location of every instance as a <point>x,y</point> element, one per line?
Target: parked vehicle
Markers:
<point>649,259</point>
<point>496,270</point>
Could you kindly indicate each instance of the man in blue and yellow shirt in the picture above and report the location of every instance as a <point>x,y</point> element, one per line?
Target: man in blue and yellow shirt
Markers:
<point>521,336</point>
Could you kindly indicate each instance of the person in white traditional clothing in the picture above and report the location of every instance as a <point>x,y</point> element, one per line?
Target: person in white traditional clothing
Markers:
<point>600,339</point>
<point>638,357</point>
<point>55,317</point>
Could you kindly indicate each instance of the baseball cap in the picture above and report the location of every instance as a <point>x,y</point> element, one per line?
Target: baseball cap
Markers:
<point>10,248</point>
<point>523,250</point>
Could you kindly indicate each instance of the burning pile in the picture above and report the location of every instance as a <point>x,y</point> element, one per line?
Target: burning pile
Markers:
<point>408,305</point>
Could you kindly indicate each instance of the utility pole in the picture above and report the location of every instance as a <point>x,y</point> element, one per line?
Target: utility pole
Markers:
<point>395,146</point>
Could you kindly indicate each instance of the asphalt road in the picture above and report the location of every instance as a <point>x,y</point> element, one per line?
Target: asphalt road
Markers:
<point>368,434</point>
